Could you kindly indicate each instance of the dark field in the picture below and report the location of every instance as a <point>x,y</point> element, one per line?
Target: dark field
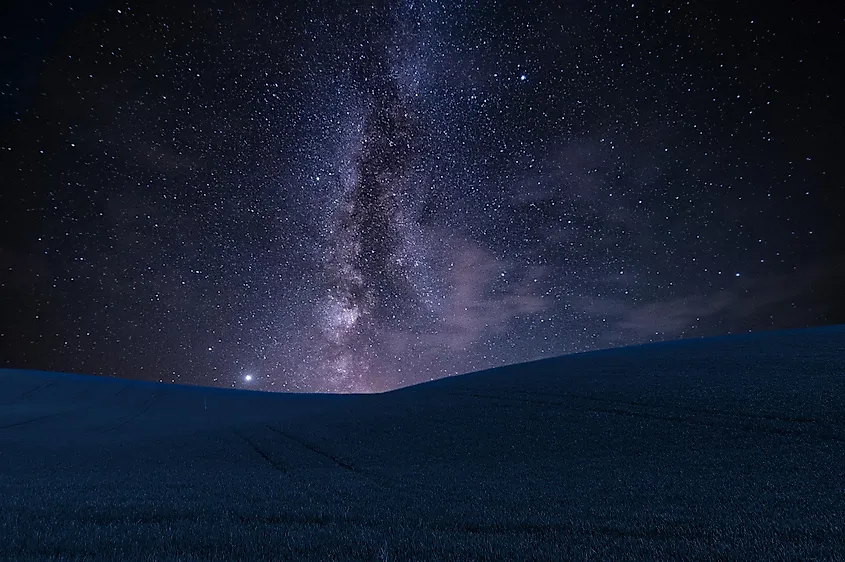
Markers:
<point>726,448</point>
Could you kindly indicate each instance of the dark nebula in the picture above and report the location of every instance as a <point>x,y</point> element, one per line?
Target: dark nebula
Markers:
<point>347,196</point>
<point>369,286</point>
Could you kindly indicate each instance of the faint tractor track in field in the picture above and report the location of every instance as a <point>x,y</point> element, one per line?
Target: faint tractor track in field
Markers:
<point>32,391</point>
<point>46,416</point>
<point>713,411</point>
<point>262,453</point>
<point>145,406</point>
<point>720,423</point>
<point>382,480</point>
<point>313,449</point>
<point>15,424</point>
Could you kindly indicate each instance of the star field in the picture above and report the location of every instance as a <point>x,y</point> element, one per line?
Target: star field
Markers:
<point>348,196</point>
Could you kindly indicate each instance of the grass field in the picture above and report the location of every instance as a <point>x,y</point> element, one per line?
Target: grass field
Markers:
<point>725,448</point>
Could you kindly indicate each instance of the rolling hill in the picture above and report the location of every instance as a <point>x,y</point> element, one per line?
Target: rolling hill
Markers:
<point>721,448</point>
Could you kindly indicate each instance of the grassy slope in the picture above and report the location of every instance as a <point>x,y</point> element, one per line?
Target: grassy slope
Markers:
<point>729,447</point>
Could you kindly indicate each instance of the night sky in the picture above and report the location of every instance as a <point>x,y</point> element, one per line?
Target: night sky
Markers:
<point>347,196</point>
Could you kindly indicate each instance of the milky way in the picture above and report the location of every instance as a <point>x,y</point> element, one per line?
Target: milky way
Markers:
<point>367,267</point>
<point>347,196</point>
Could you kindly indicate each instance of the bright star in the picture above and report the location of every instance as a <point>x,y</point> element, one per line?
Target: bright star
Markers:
<point>248,378</point>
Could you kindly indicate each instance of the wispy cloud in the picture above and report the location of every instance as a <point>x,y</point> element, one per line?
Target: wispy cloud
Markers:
<point>476,311</point>
<point>794,299</point>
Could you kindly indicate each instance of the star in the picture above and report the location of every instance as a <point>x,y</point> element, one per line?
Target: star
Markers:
<point>354,200</point>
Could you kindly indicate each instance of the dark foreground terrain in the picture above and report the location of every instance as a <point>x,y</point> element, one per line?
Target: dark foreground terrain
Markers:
<point>728,448</point>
